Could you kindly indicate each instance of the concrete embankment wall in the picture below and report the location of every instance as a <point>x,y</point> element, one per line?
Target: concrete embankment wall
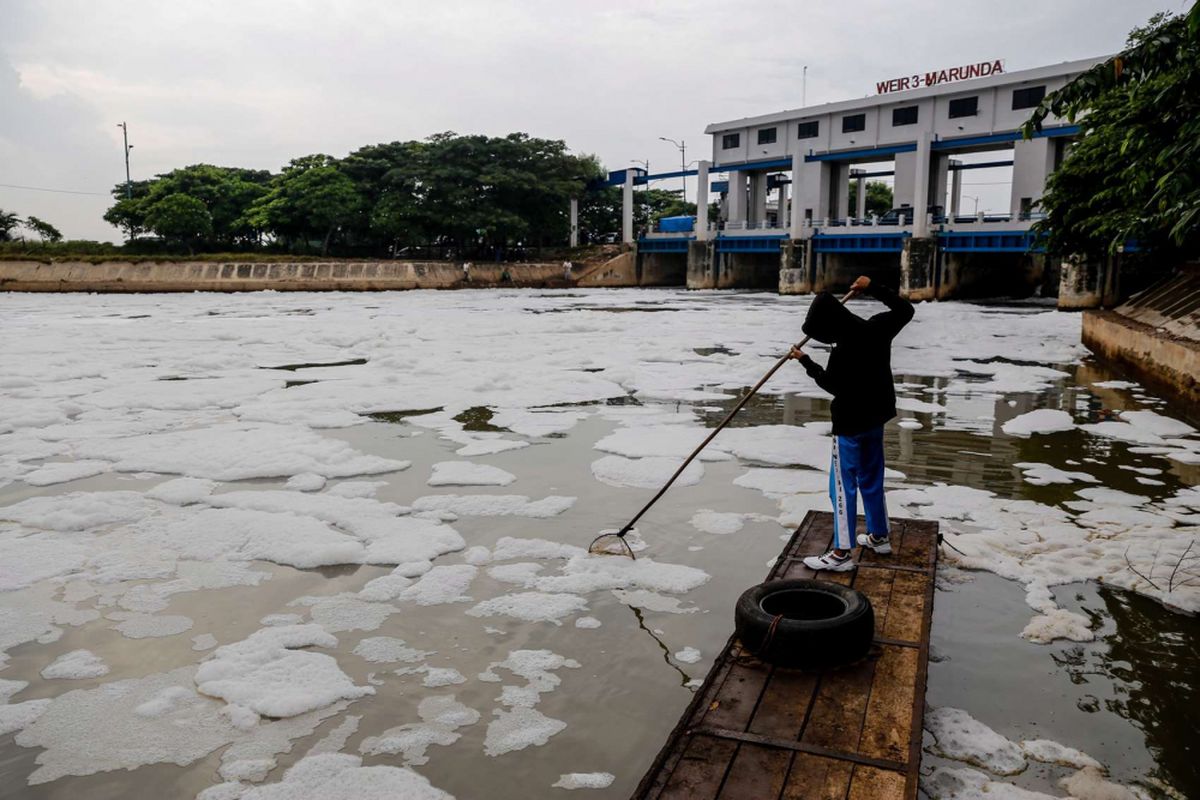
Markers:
<point>1155,335</point>
<point>201,276</point>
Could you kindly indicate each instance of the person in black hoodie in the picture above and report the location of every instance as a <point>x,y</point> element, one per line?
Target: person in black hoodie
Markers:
<point>859,376</point>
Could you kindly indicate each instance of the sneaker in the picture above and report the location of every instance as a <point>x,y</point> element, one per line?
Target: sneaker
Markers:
<point>882,545</point>
<point>830,562</point>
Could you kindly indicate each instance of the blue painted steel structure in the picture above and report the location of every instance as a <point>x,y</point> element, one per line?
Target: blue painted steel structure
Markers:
<point>859,242</point>
<point>989,242</point>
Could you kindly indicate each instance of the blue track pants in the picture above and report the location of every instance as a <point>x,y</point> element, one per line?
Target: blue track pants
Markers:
<point>857,469</point>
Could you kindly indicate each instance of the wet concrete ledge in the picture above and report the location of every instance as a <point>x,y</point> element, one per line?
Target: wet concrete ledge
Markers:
<point>206,276</point>
<point>1156,357</point>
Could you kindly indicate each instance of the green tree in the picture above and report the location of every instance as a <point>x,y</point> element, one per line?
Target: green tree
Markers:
<point>45,231</point>
<point>310,199</point>
<point>879,198</point>
<point>1134,172</point>
<point>180,218</point>
<point>8,223</point>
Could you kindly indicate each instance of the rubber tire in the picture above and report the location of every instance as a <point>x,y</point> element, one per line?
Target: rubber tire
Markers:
<point>810,644</point>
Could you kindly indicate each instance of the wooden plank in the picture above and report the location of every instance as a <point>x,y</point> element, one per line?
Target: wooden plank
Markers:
<point>738,697</point>
<point>784,705</point>
<point>701,771</point>
<point>888,723</point>
<point>816,778</point>
<point>836,718</point>
<point>754,731</point>
<point>756,772</point>
<point>876,584</point>
<point>905,621</point>
<point>868,783</point>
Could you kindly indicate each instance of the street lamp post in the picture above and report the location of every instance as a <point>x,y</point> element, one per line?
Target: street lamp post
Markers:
<point>682,162</point>
<point>128,183</point>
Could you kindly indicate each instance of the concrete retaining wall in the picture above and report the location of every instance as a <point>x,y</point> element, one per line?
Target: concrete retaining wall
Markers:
<point>620,270</point>
<point>200,276</point>
<point>1159,359</point>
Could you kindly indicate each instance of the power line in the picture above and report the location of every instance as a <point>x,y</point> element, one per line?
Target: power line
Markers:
<point>56,191</point>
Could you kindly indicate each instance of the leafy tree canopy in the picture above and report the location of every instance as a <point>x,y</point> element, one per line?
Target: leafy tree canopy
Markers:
<point>45,231</point>
<point>181,218</point>
<point>1134,172</point>
<point>879,198</point>
<point>8,224</point>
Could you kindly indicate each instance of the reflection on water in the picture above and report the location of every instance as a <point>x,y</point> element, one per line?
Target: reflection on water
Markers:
<point>1151,661</point>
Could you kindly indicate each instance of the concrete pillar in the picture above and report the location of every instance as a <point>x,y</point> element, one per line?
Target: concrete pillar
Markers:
<point>937,179</point>
<point>797,216</point>
<point>860,189</point>
<point>793,271</point>
<point>574,242</point>
<point>736,198</point>
<point>627,208</point>
<point>1082,283</point>
<point>701,265</point>
<point>758,198</point>
<point>782,220</point>
<point>702,200</point>
<point>917,268</point>
<point>1033,161</point>
<point>904,184</point>
<point>839,199</point>
<point>955,188</point>
<point>920,196</point>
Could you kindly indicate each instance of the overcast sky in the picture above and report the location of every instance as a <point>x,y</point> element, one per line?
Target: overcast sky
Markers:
<point>255,83</point>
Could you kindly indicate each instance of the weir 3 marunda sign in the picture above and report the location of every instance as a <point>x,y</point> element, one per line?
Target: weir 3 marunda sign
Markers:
<point>919,80</point>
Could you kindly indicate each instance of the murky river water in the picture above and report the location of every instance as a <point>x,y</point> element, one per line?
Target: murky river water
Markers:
<point>1127,698</point>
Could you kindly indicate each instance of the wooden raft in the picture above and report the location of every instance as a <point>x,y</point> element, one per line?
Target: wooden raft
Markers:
<point>757,732</point>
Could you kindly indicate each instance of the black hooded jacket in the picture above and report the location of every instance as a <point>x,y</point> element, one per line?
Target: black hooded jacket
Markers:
<point>859,374</point>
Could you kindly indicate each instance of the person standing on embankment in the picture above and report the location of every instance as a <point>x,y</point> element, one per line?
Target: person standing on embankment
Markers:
<point>859,376</point>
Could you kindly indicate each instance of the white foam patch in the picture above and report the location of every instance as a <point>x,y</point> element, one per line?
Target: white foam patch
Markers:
<point>531,606</point>
<point>204,641</point>
<point>465,473</point>
<point>688,655</point>
<point>674,442</point>
<point>18,716</point>
<point>508,548</point>
<point>1089,784</point>
<point>237,451</point>
<point>536,422</point>
<point>340,776</point>
<point>778,445</point>
<point>494,505</point>
<point>441,717</point>
<point>239,534</point>
<point>345,612</point>
<point>968,784</point>
<point>86,731</point>
<point>442,584</point>
<point>590,573</point>
<point>1158,423</point>
<point>388,649</point>
<point>266,674</point>
<point>518,728</point>
<point>75,665</point>
<point>1058,623</point>
<point>1050,752</point>
<point>182,491</point>
<point>781,482</point>
<point>961,737</point>
<point>587,622</point>
<point>336,739</point>
<point>652,601</point>
<point>77,511</point>
<point>150,626</point>
<point>64,471</point>
<point>645,473</point>
<point>1041,420</point>
<point>356,489</point>
<point>1040,474</point>
<point>584,780</point>
<point>306,482</point>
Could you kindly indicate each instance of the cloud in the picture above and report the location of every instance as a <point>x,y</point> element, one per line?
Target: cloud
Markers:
<point>255,84</point>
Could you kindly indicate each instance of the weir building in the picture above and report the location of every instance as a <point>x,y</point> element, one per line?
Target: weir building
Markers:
<point>783,183</point>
